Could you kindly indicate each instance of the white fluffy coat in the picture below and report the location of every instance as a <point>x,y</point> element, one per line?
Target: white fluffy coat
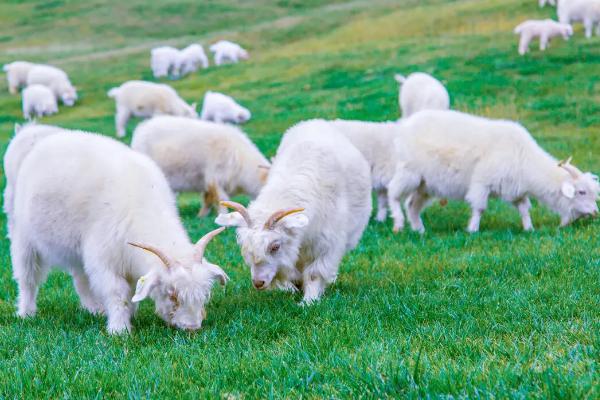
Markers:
<point>83,223</point>
<point>221,108</point>
<point>16,74</point>
<point>545,30</point>
<point>228,52</point>
<point>421,91</point>
<point>164,61</point>
<point>38,101</point>
<point>584,11</point>
<point>56,79</point>
<point>459,156</point>
<point>214,159</point>
<point>318,172</point>
<point>146,99</point>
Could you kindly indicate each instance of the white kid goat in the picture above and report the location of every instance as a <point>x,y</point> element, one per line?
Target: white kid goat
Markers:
<point>545,30</point>
<point>421,91</point>
<point>147,99</point>
<point>221,108</point>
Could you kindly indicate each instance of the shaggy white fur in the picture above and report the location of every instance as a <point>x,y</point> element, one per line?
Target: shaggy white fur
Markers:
<point>146,99</point>
<point>421,91</point>
<point>54,78</point>
<point>313,209</point>
<point>459,156</point>
<point>221,108</point>
<point>115,230</point>
<point>214,159</point>
<point>38,101</point>
<point>545,30</point>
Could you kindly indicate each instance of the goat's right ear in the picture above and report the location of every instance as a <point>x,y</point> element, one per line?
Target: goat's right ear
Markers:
<point>568,190</point>
<point>230,219</point>
<point>144,285</point>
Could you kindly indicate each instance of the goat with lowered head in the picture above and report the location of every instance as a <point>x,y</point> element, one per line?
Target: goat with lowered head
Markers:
<point>313,209</point>
<point>147,99</point>
<point>221,108</point>
<point>459,156</point>
<point>217,160</point>
<point>117,232</point>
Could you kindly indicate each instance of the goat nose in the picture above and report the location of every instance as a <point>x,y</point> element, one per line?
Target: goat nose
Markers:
<point>258,284</point>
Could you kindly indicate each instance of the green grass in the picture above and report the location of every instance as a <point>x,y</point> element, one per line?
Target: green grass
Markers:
<point>502,313</point>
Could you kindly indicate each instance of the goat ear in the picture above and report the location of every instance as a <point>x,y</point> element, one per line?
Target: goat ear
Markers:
<point>194,105</point>
<point>144,285</point>
<point>218,273</point>
<point>230,219</point>
<point>568,190</point>
<point>294,221</point>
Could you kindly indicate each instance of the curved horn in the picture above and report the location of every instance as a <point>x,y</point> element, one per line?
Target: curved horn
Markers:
<point>278,215</point>
<point>566,165</point>
<point>565,162</point>
<point>201,244</point>
<point>163,257</point>
<point>239,208</point>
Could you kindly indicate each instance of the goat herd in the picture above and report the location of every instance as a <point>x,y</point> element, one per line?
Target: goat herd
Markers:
<point>107,213</point>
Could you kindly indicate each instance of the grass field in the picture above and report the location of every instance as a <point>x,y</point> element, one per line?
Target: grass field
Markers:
<point>502,313</point>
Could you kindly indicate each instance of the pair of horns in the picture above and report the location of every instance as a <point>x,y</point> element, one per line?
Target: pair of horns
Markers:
<point>271,221</point>
<point>200,247</point>
<point>566,165</point>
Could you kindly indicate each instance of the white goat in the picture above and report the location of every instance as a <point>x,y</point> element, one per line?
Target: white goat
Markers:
<point>375,141</point>
<point>421,91</point>
<point>147,99</point>
<point>313,209</point>
<point>26,137</point>
<point>85,225</point>
<point>16,74</point>
<point>56,79</point>
<point>226,51</point>
<point>221,108</point>
<point>214,159</point>
<point>585,11</point>
<point>191,58</point>
<point>38,101</point>
<point>544,30</point>
<point>460,156</point>
<point>164,61</point>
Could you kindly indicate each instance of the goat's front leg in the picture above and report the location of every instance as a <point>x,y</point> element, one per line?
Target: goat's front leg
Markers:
<point>318,275</point>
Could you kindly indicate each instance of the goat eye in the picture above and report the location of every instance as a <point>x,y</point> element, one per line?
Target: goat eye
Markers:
<point>274,248</point>
<point>582,192</point>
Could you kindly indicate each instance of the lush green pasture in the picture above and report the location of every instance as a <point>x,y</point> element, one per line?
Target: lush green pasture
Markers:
<point>501,313</point>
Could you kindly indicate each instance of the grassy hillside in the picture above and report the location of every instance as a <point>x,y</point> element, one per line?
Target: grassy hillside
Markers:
<point>502,313</point>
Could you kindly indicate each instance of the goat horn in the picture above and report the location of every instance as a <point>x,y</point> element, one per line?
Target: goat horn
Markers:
<point>565,162</point>
<point>163,257</point>
<point>278,215</point>
<point>239,208</point>
<point>201,244</point>
<point>566,165</point>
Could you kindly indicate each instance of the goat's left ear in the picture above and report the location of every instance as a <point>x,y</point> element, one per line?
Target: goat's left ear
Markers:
<point>568,190</point>
<point>230,219</point>
<point>218,273</point>
<point>294,221</point>
<point>144,285</point>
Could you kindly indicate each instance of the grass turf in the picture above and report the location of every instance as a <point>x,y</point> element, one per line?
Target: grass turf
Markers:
<point>502,313</point>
